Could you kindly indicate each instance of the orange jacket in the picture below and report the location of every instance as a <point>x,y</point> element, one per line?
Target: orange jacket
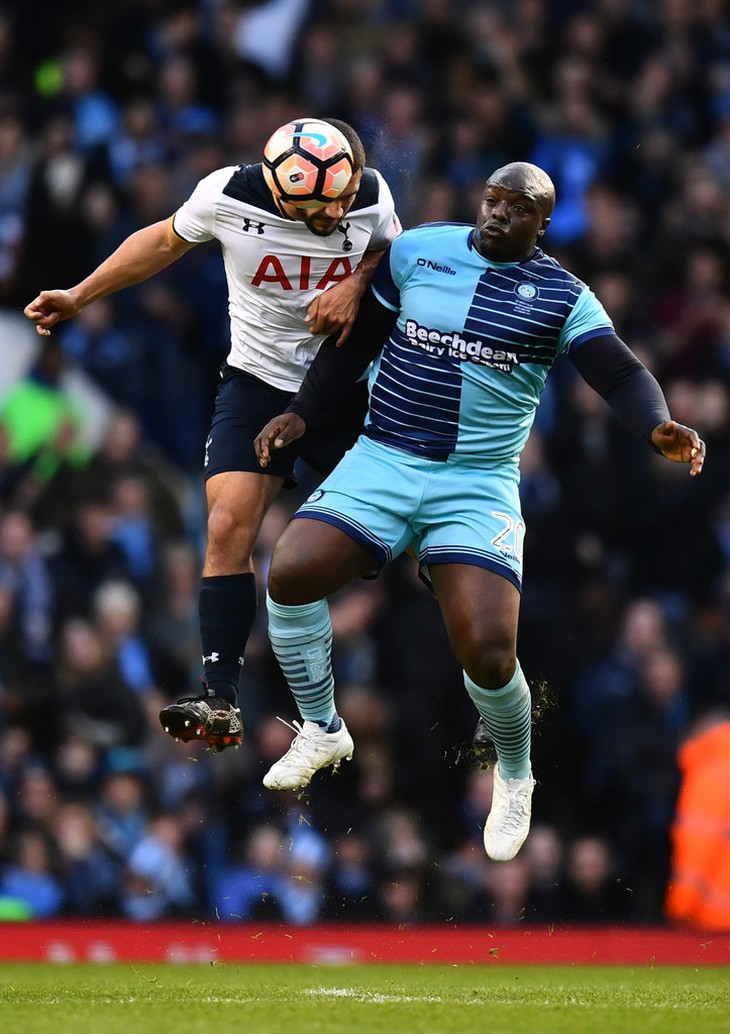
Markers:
<point>698,893</point>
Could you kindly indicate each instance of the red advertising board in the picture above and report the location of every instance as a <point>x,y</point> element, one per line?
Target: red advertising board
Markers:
<point>90,941</point>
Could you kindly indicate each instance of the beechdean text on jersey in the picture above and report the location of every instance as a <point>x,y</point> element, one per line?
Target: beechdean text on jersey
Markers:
<point>454,346</point>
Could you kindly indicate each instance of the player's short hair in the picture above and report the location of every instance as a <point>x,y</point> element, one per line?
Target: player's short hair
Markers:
<point>356,144</point>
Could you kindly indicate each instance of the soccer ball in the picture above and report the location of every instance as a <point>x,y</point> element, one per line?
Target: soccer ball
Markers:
<point>307,163</point>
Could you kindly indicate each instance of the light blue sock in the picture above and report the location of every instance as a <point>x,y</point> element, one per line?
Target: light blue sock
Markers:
<point>508,716</point>
<point>301,638</point>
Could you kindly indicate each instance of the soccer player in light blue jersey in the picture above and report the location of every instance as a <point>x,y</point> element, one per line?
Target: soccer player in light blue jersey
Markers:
<point>463,324</point>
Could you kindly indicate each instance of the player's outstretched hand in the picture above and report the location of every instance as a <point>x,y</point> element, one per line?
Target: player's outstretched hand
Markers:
<point>680,444</point>
<point>49,308</point>
<point>279,432</point>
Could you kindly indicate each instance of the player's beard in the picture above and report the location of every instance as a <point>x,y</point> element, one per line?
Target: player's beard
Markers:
<point>320,229</point>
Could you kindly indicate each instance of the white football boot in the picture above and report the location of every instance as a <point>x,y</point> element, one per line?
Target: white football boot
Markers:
<point>312,748</point>
<point>508,822</point>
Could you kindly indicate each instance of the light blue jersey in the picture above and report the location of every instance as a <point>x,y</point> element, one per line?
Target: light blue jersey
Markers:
<point>454,392</point>
<point>462,372</point>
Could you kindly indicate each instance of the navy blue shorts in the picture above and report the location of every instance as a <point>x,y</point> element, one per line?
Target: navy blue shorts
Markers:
<point>245,404</point>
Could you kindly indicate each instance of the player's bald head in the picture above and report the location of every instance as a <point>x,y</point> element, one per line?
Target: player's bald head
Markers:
<point>528,179</point>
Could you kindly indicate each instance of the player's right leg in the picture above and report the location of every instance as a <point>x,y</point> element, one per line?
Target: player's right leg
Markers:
<point>346,529</point>
<point>238,495</point>
<point>312,560</point>
<point>237,504</point>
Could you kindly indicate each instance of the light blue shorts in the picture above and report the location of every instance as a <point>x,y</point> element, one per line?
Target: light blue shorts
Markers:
<point>451,513</point>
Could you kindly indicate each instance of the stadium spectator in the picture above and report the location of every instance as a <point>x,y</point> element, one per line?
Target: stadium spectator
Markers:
<point>350,880</point>
<point>76,768</point>
<point>647,778</point>
<point>172,627</point>
<point>25,569</point>
<point>15,165</point>
<point>544,855</point>
<point>28,876</point>
<point>85,556</point>
<point>118,618</point>
<point>573,147</point>
<point>40,418</point>
<point>88,872</point>
<point>93,697</point>
<point>133,530</point>
<point>250,888</point>
<point>36,799</point>
<point>509,887</point>
<point>698,889</point>
<point>156,883</point>
<point>123,805</point>
<point>594,890</point>
<point>124,450</point>
<point>401,896</point>
<point>57,242</point>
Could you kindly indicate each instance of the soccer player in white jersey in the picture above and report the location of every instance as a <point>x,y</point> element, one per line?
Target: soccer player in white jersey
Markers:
<point>466,323</point>
<point>295,274</point>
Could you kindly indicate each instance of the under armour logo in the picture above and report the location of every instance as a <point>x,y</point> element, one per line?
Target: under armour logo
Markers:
<point>214,657</point>
<point>347,243</point>
<point>251,224</point>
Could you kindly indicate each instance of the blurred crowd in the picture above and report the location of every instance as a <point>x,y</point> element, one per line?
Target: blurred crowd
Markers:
<point>108,117</point>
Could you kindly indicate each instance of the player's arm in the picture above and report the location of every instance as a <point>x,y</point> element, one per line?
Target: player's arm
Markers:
<point>140,256</point>
<point>334,311</point>
<point>333,371</point>
<point>635,396</point>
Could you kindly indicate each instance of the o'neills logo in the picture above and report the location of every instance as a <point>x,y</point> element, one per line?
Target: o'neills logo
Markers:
<point>452,345</point>
<point>435,266</point>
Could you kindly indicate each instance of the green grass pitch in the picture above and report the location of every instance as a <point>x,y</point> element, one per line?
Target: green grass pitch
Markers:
<point>296,999</point>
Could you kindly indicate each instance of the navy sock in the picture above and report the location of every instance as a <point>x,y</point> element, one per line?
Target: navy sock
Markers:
<point>227,608</point>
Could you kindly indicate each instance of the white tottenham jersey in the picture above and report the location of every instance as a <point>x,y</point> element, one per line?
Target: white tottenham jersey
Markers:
<point>276,266</point>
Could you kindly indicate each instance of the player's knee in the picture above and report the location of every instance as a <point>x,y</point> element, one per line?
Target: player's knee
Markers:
<point>289,574</point>
<point>285,581</point>
<point>489,658</point>
<point>226,532</point>
<point>221,525</point>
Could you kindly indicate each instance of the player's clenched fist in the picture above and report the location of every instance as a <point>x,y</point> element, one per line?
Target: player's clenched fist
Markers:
<point>49,308</point>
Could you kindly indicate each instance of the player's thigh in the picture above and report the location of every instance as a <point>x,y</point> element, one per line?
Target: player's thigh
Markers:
<point>313,559</point>
<point>470,538</point>
<point>480,607</point>
<point>471,516</point>
<point>370,497</point>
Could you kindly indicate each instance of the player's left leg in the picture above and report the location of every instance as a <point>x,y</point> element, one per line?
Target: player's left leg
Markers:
<point>481,610</point>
